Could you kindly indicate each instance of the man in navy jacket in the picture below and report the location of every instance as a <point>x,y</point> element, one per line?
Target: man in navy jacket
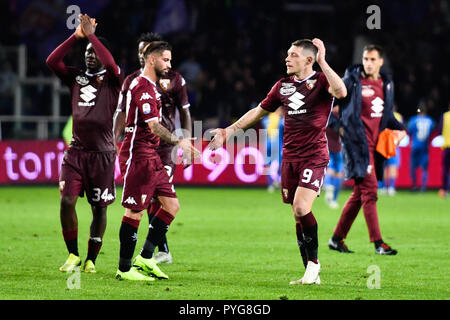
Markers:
<point>364,113</point>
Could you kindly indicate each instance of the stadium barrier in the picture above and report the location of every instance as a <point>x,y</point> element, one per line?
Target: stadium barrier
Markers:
<point>39,161</point>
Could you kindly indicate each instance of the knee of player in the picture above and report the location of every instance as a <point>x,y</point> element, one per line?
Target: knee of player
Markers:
<point>68,201</point>
<point>173,207</point>
<point>300,208</point>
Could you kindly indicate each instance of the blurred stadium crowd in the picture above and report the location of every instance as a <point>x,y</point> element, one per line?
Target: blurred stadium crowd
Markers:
<point>232,51</point>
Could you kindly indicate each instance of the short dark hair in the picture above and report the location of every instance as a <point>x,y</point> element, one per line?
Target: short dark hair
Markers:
<point>372,47</point>
<point>306,44</point>
<point>149,37</point>
<point>156,46</point>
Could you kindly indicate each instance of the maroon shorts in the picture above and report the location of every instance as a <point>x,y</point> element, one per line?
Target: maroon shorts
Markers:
<point>165,153</point>
<point>143,180</point>
<point>91,173</point>
<point>300,174</point>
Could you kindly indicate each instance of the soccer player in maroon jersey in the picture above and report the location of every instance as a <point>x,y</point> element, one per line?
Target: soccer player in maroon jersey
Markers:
<point>173,90</point>
<point>307,98</point>
<point>88,165</point>
<point>367,110</point>
<point>142,168</point>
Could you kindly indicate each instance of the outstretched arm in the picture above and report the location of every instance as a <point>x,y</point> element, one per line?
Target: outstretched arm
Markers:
<point>337,86</point>
<point>246,121</point>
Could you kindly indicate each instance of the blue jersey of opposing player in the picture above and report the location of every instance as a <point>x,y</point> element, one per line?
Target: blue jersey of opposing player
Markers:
<point>420,128</point>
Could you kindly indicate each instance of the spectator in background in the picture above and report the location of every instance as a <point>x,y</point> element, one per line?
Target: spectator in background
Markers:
<point>444,128</point>
<point>333,178</point>
<point>392,164</point>
<point>420,128</point>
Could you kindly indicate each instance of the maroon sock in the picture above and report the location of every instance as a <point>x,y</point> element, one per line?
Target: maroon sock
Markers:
<point>309,225</point>
<point>71,240</point>
<point>94,246</point>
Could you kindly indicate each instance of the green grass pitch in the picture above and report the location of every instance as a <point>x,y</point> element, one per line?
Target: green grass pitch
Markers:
<point>229,244</point>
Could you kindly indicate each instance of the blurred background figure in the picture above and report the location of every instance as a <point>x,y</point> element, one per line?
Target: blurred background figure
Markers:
<point>274,125</point>
<point>387,186</point>
<point>420,128</point>
<point>444,129</point>
<point>333,178</point>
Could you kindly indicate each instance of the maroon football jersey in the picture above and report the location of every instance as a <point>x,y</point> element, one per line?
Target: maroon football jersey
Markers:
<point>94,98</point>
<point>307,105</point>
<point>372,106</point>
<point>143,104</point>
<point>121,104</point>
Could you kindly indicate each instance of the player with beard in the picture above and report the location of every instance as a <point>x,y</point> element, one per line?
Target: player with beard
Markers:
<point>88,165</point>
<point>307,98</point>
<point>143,171</point>
<point>173,90</point>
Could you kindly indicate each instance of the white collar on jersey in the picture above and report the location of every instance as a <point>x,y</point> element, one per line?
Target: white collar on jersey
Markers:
<point>300,81</point>
<point>95,74</point>
<point>142,75</point>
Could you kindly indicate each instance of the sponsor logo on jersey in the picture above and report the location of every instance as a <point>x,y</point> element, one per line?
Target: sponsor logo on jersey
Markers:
<point>164,83</point>
<point>287,89</point>
<point>146,108</point>
<point>377,108</point>
<point>296,104</point>
<point>129,129</point>
<point>130,200</point>
<point>82,80</point>
<point>367,91</point>
<point>310,84</point>
<point>145,96</point>
<point>87,94</point>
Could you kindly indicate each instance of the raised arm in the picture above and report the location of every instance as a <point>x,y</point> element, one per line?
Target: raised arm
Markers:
<point>337,86</point>
<point>55,59</point>
<point>248,120</point>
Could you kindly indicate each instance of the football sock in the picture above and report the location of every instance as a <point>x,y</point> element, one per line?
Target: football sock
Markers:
<point>300,241</point>
<point>156,231</point>
<point>94,246</point>
<point>309,225</point>
<point>154,207</point>
<point>378,243</point>
<point>336,238</point>
<point>71,240</point>
<point>392,182</point>
<point>128,239</point>
<point>337,187</point>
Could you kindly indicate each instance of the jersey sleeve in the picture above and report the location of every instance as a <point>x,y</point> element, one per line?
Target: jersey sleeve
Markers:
<point>272,100</point>
<point>181,95</point>
<point>144,98</point>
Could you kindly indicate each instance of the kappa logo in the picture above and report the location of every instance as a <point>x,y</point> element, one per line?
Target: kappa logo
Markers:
<point>87,94</point>
<point>145,96</point>
<point>377,108</point>
<point>130,200</point>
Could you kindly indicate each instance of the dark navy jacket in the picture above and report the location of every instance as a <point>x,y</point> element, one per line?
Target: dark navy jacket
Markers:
<point>355,150</point>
